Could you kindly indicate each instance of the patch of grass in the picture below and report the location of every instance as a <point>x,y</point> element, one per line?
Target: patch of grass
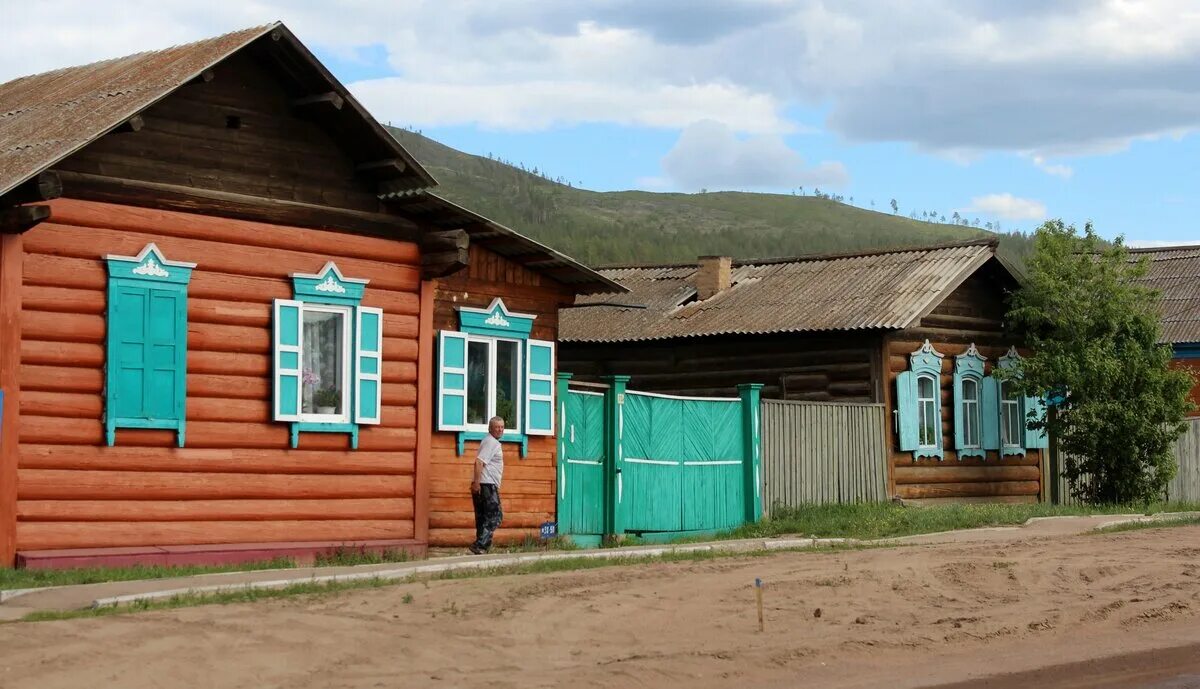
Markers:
<point>344,556</point>
<point>885,520</point>
<point>36,578</point>
<point>1157,524</point>
<point>534,544</point>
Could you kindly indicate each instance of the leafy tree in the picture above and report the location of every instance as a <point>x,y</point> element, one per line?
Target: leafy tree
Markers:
<point>895,206</point>
<point>1093,331</point>
<point>956,217</point>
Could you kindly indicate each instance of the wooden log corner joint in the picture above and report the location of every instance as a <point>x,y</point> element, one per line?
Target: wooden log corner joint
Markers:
<point>444,252</point>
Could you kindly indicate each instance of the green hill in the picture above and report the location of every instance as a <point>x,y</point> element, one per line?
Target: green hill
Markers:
<point>640,226</point>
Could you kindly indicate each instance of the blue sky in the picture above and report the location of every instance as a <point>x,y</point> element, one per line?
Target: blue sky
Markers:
<point>1009,112</point>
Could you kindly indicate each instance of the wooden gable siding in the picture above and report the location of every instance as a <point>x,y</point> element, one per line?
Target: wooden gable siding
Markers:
<point>797,366</point>
<point>187,140</point>
<point>237,480</point>
<point>528,489</point>
<point>973,313</point>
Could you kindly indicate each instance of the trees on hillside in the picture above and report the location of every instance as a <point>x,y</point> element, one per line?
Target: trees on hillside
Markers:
<point>1093,332</point>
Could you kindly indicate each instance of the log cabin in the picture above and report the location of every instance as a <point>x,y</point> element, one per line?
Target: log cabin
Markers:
<point>221,282</point>
<point>918,330</point>
<point>1175,272</point>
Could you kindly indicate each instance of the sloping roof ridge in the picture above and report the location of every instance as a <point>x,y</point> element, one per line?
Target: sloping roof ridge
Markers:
<point>1164,249</point>
<point>804,258</point>
<point>259,31</point>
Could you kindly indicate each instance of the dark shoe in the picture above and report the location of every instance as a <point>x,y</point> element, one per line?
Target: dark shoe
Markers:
<point>477,551</point>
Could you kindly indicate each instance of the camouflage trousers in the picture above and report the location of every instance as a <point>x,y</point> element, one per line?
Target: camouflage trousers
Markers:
<point>487,515</point>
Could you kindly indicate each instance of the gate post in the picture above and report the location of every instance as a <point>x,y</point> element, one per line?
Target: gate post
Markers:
<point>560,457</point>
<point>614,457</point>
<point>751,482</point>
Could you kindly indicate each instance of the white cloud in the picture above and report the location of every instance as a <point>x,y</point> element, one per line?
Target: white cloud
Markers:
<point>1008,207</point>
<point>710,155</point>
<point>1055,169</point>
<point>1065,78</point>
<point>535,105</point>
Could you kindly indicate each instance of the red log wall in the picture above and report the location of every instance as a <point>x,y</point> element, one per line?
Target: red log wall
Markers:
<point>237,480</point>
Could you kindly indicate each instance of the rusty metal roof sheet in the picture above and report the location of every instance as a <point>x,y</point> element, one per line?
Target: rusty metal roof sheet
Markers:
<point>881,290</point>
<point>47,117</point>
<point>1175,272</point>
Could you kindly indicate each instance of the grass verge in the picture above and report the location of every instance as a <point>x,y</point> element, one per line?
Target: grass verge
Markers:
<point>1140,526</point>
<point>327,588</point>
<point>38,578</point>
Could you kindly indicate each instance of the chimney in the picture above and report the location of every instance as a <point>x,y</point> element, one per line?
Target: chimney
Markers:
<point>714,274</point>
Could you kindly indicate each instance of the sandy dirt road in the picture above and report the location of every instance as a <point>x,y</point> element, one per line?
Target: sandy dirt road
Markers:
<point>919,615</point>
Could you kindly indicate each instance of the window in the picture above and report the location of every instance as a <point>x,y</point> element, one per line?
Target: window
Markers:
<point>927,390</point>
<point>1011,420</point>
<point>491,367</point>
<point>146,359</point>
<point>493,382</point>
<point>918,413</point>
<point>970,413</point>
<point>325,361</point>
<point>328,356</point>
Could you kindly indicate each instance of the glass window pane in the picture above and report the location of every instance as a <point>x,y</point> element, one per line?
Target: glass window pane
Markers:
<point>324,362</point>
<point>925,387</point>
<point>477,382</point>
<point>508,384</point>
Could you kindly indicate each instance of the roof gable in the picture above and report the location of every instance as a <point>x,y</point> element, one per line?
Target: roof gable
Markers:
<point>47,117</point>
<point>884,290</point>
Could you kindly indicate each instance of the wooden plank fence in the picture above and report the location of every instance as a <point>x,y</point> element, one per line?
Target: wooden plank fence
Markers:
<point>1184,487</point>
<point>822,452</point>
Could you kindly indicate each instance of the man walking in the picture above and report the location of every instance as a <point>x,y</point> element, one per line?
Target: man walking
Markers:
<point>485,488</point>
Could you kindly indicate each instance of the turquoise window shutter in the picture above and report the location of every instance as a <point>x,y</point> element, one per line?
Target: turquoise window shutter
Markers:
<point>989,416</point>
<point>959,422</point>
<point>906,410</point>
<point>368,366</point>
<point>452,381</point>
<point>1035,407</point>
<point>539,388</point>
<point>287,371</point>
<point>146,367</point>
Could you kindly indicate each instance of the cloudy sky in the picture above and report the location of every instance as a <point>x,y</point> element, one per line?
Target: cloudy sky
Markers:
<point>1011,111</point>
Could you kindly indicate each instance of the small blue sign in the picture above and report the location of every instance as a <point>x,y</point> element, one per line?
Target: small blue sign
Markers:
<point>549,529</point>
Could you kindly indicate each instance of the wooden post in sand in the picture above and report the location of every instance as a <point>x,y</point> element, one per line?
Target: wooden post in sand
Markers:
<point>758,595</point>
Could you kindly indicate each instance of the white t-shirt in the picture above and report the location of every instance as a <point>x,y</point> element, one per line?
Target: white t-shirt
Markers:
<point>492,457</point>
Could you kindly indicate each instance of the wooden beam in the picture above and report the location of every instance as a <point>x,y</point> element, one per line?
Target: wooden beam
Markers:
<point>11,259</point>
<point>174,197</point>
<point>22,218</point>
<point>425,420</point>
<point>202,78</point>
<point>330,99</point>
<point>445,240</point>
<point>381,166</point>
<point>42,187</point>
<point>442,263</point>
<point>133,124</point>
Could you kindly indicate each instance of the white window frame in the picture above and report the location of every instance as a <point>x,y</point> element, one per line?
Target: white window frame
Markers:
<point>510,425</point>
<point>348,350</point>
<point>967,402</point>
<point>1015,403</point>
<point>936,403</point>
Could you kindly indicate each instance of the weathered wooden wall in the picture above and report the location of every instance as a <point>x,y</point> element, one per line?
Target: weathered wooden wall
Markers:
<point>528,488</point>
<point>1185,487</point>
<point>823,452</point>
<point>187,140</point>
<point>971,314</point>
<point>236,481</point>
<point>795,366</point>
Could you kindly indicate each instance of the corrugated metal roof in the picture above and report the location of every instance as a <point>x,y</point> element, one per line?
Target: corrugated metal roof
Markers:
<point>1175,271</point>
<point>882,290</point>
<point>47,117</point>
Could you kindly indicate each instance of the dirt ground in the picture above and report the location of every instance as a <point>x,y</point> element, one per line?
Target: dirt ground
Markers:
<point>911,616</point>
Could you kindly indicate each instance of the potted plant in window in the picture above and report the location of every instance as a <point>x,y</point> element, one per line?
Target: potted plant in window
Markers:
<point>327,400</point>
